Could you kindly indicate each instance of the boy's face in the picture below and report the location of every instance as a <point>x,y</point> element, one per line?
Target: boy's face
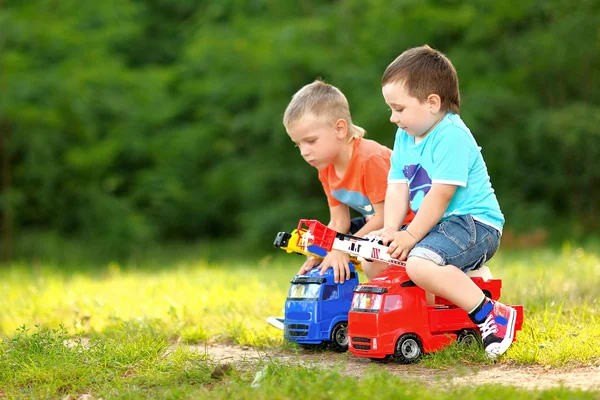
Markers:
<point>412,116</point>
<point>319,141</point>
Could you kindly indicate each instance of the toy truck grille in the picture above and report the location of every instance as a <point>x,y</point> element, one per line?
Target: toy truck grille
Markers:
<point>356,340</point>
<point>296,330</point>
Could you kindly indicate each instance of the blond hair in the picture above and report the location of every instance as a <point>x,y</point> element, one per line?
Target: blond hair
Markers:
<point>426,71</point>
<point>321,100</point>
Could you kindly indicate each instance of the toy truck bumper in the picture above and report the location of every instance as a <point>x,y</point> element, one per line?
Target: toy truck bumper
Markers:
<point>302,325</point>
<point>365,340</point>
<point>306,332</point>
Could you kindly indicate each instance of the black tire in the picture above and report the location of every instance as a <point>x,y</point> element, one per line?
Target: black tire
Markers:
<point>468,337</point>
<point>339,337</point>
<point>409,349</point>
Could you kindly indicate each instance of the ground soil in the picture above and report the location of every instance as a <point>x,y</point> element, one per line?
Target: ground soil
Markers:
<point>529,377</point>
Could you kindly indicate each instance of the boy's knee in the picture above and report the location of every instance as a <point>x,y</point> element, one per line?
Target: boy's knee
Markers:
<point>412,267</point>
<point>373,268</point>
<point>367,268</point>
<point>416,267</point>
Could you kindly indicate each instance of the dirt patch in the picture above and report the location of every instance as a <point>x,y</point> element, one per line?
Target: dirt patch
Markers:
<point>528,377</point>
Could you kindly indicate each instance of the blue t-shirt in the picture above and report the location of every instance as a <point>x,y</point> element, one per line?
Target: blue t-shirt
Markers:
<point>450,155</point>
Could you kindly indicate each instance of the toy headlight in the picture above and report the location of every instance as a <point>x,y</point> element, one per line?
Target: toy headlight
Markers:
<point>304,291</point>
<point>366,302</point>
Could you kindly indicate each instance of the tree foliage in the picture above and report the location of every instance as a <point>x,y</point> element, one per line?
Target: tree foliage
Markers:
<point>134,120</point>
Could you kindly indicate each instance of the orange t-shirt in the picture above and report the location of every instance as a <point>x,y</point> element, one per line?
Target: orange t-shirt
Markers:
<point>365,181</point>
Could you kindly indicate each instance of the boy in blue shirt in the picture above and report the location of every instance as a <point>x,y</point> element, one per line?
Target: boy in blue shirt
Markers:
<point>438,166</point>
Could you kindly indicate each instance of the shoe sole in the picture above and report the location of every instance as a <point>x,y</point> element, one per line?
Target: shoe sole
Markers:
<point>275,323</point>
<point>508,339</point>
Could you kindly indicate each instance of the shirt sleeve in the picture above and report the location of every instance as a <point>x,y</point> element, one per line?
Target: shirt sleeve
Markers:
<point>451,157</point>
<point>374,175</point>
<point>396,174</point>
<point>331,201</point>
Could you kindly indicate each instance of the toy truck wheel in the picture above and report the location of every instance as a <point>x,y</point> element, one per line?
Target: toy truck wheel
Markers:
<point>339,337</point>
<point>409,349</point>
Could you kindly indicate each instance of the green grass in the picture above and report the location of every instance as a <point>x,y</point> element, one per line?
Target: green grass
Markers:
<point>298,382</point>
<point>138,366</point>
<point>42,365</point>
<point>194,302</point>
<point>126,317</point>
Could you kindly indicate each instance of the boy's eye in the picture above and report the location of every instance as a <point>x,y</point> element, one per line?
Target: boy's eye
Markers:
<point>398,109</point>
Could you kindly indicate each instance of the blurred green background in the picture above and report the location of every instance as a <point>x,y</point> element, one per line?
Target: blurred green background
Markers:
<point>128,123</point>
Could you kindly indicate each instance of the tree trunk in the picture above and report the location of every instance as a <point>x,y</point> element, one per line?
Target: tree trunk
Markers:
<point>5,186</point>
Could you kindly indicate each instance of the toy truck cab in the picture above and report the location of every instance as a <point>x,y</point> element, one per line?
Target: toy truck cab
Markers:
<point>390,316</point>
<point>316,309</point>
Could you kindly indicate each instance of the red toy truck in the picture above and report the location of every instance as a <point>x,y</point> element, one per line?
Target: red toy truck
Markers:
<point>389,316</point>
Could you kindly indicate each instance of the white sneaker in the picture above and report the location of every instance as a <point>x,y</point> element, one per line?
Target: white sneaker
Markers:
<point>277,322</point>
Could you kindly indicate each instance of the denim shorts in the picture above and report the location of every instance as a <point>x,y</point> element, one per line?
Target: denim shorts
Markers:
<point>460,241</point>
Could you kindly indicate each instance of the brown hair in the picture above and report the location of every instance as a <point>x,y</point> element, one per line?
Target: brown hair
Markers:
<point>425,71</point>
<point>321,99</point>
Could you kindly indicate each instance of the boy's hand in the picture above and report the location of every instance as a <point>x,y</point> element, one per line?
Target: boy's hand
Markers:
<point>309,264</point>
<point>401,245</point>
<point>385,234</point>
<point>339,262</point>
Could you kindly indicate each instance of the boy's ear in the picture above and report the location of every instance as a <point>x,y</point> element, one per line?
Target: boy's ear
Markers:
<point>435,103</point>
<point>341,128</point>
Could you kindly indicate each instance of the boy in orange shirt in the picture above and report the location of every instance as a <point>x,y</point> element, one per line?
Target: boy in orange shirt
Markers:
<point>352,170</point>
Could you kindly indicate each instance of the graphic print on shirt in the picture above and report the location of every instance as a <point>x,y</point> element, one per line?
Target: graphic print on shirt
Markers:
<point>419,184</point>
<point>356,200</point>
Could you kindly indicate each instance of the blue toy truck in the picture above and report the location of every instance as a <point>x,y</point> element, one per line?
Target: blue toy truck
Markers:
<point>316,308</point>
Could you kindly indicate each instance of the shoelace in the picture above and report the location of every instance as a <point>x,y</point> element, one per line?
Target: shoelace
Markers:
<point>488,326</point>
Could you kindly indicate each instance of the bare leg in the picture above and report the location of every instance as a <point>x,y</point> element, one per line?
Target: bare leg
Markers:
<point>430,298</point>
<point>446,281</point>
<point>373,268</point>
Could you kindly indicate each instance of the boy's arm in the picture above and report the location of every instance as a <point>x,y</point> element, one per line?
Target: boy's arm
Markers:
<point>453,152</point>
<point>337,260</point>
<point>432,209</point>
<point>396,206</point>
<point>339,218</point>
<point>340,222</point>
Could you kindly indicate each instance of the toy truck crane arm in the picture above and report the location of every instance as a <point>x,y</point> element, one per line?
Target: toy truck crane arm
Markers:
<point>290,242</point>
<point>313,233</point>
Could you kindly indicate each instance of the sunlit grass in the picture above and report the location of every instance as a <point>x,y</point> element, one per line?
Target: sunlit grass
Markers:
<point>110,329</point>
<point>560,291</point>
<point>195,302</point>
<point>205,302</point>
